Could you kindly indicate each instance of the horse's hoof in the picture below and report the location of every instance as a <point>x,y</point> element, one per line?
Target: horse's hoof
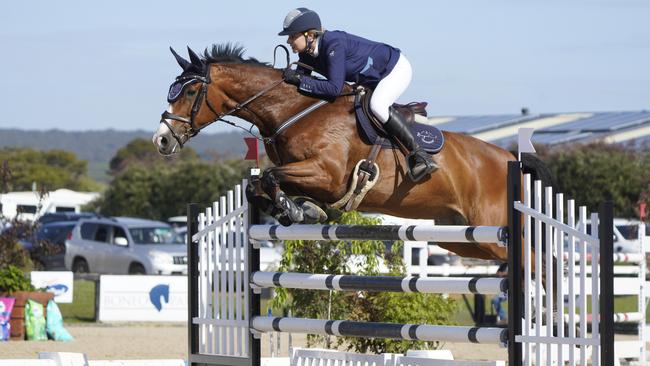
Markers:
<point>289,208</point>
<point>284,220</point>
<point>333,214</point>
<point>312,213</point>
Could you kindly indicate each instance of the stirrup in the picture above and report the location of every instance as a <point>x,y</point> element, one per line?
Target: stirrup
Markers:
<point>416,160</point>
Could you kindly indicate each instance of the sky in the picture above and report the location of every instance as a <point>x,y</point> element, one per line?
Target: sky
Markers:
<point>89,65</point>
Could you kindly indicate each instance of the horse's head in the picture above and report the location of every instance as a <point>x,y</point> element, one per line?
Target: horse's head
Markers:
<point>189,108</point>
<point>220,84</point>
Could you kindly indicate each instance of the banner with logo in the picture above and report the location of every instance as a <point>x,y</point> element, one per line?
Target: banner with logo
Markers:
<point>59,283</point>
<point>143,298</point>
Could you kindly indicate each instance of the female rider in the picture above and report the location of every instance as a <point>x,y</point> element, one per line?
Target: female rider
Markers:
<point>340,57</point>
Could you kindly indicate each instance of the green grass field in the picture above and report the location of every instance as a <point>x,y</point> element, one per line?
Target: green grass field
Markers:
<point>82,308</point>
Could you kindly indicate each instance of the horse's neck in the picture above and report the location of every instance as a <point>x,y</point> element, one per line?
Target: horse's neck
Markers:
<point>270,110</point>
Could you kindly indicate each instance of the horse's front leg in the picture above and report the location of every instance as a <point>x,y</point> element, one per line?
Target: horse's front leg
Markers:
<point>256,196</point>
<point>304,177</point>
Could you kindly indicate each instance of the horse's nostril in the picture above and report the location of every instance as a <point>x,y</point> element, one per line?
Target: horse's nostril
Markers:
<point>163,141</point>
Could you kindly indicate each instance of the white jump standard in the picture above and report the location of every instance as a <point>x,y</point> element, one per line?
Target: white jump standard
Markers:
<point>224,281</point>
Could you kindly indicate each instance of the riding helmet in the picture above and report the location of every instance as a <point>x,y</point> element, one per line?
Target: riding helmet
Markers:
<point>300,20</point>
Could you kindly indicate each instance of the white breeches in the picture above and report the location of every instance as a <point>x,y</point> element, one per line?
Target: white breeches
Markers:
<point>390,88</point>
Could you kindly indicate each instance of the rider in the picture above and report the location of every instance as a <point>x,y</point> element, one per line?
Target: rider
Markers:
<point>340,57</point>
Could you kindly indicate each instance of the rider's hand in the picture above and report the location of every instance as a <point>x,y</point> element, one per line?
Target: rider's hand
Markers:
<point>291,76</point>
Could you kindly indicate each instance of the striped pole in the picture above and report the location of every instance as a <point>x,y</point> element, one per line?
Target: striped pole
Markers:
<point>411,332</point>
<point>634,317</point>
<point>431,285</point>
<point>436,233</point>
<point>618,257</point>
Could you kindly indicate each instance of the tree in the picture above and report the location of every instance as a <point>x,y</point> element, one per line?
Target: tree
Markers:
<point>164,190</point>
<point>140,151</point>
<point>50,170</point>
<point>593,173</point>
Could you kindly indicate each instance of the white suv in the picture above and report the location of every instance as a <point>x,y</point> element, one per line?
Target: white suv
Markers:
<point>125,245</point>
<point>626,235</point>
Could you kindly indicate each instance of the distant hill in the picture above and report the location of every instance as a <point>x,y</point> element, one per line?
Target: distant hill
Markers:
<point>98,147</point>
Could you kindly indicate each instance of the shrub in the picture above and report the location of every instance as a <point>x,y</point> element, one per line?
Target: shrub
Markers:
<point>13,279</point>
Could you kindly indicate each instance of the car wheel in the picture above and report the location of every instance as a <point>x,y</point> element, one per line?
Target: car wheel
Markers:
<point>80,266</point>
<point>137,268</point>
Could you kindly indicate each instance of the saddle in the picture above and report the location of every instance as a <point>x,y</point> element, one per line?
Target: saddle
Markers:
<point>427,136</point>
<point>366,172</point>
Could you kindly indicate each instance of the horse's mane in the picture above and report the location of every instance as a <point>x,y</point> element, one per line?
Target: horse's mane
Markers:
<point>233,53</point>
<point>229,53</point>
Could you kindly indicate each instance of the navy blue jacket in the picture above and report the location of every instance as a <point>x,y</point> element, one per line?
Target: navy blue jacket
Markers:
<point>346,57</point>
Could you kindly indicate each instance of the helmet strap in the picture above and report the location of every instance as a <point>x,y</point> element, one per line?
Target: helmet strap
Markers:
<point>310,43</point>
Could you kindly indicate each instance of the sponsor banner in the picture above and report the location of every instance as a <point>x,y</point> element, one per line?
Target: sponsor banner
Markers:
<point>143,298</point>
<point>59,283</point>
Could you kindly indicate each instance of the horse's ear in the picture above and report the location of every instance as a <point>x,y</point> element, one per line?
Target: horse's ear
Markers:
<point>196,60</point>
<point>184,64</point>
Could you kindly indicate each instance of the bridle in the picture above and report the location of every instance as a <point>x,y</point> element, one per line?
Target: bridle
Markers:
<point>192,131</point>
<point>196,106</point>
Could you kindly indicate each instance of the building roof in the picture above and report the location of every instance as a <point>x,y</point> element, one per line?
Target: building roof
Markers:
<point>554,128</point>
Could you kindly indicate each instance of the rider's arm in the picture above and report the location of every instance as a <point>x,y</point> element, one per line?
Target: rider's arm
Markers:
<point>301,69</point>
<point>332,87</point>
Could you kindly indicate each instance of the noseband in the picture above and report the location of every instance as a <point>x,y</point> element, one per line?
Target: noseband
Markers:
<point>192,131</point>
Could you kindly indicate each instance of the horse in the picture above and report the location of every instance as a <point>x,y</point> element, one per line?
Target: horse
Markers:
<point>315,156</point>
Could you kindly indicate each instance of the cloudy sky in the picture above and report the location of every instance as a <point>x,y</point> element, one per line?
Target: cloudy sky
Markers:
<point>87,65</point>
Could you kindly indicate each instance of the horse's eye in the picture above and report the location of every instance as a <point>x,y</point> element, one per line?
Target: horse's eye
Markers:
<point>191,93</point>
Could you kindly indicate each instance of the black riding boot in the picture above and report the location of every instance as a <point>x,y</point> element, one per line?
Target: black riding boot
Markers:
<point>419,161</point>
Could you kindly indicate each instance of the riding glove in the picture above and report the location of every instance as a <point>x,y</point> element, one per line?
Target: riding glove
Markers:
<point>291,76</point>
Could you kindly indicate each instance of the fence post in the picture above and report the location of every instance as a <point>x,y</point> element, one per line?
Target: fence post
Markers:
<point>253,266</point>
<point>606,296</point>
<point>515,275</point>
<point>192,281</point>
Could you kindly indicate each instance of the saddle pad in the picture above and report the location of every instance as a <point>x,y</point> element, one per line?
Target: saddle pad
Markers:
<point>428,137</point>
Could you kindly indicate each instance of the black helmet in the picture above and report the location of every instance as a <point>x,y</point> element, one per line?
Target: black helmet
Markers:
<point>300,20</point>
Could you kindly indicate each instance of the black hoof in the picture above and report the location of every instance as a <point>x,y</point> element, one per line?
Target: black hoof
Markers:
<point>333,214</point>
<point>284,220</point>
<point>289,208</point>
<point>312,213</point>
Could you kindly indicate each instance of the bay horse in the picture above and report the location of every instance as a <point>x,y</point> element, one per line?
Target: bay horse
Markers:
<point>315,157</point>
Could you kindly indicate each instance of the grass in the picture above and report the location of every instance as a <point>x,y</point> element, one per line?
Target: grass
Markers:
<point>82,308</point>
<point>622,304</point>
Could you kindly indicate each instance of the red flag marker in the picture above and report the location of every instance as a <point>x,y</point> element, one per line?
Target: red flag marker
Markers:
<point>253,152</point>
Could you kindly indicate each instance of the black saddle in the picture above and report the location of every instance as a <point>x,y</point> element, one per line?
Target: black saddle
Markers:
<point>427,136</point>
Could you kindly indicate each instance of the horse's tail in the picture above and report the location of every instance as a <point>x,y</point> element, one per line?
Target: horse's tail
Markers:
<point>534,166</point>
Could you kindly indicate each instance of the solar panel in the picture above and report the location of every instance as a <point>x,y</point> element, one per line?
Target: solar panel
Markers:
<point>579,127</point>
<point>475,124</point>
<point>604,121</point>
